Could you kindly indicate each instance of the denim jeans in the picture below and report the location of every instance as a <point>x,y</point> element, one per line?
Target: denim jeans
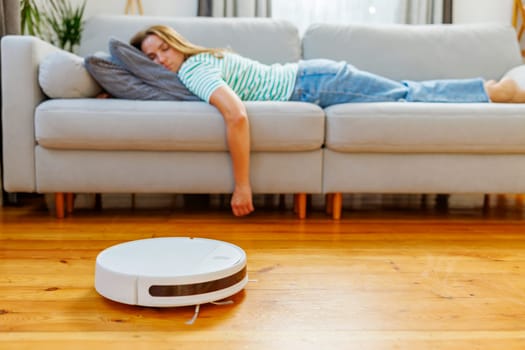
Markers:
<point>326,82</point>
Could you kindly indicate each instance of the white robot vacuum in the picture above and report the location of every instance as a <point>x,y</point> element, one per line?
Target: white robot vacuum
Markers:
<point>171,271</point>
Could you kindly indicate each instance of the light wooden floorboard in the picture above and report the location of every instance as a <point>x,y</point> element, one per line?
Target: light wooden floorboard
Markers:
<point>404,278</point>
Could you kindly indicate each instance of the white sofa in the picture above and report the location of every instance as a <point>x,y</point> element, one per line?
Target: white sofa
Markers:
<point>122,146</point>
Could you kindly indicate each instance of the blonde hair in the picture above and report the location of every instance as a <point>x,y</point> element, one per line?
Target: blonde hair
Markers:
<point>173,39</point>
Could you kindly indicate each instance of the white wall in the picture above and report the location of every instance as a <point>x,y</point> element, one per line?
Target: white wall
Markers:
<point>151,7</point>
<point>476,11</point>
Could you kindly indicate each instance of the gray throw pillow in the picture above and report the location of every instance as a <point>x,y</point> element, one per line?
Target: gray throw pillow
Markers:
<point>120,83</point>
<point>144,80</point>
<point>153,74</point>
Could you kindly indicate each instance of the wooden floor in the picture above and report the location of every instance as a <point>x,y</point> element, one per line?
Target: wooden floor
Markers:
<point>405,278</point>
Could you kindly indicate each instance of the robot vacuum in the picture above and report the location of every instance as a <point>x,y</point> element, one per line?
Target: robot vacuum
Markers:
<point>170,271</point>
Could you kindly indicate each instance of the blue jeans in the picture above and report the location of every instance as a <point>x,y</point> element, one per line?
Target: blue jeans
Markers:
<point>326,82</point>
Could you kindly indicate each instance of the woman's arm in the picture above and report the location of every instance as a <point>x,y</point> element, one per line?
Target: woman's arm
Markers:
<point>238,137</point>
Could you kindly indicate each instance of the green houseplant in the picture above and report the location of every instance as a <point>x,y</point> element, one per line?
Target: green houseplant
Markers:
<point>55,21</point>
<point>30,18</point>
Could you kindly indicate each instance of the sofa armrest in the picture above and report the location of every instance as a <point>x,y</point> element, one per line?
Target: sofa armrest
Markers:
<point>21,94</point>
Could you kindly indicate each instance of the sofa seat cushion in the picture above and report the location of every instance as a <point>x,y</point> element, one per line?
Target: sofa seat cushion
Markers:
<point>426,128</point>
<point>114,124</point>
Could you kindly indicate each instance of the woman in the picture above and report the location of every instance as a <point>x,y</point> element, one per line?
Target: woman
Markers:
<point>225,79</point>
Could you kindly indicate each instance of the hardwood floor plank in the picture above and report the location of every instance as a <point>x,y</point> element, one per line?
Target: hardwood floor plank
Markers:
<point>334,339</point>
<point>372,280</point>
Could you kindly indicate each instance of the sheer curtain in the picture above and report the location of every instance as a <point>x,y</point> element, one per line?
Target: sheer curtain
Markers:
<point>304,12</point>
<point>9,17</point>
<point>235,8</point>
<point>423,11</point>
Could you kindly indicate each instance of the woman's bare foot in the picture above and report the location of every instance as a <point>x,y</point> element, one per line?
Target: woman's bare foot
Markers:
<point>505,91</point>
<point>241,201</point>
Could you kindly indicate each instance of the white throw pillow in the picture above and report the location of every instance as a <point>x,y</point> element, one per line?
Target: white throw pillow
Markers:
<point>63,75</point>
<point>518,75</point>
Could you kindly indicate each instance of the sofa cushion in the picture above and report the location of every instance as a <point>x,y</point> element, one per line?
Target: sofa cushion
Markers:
<point>517,74</point>
<point>62,74</point>
<point>113,124</point>
<point>426,128</point>
<point>418,52</point>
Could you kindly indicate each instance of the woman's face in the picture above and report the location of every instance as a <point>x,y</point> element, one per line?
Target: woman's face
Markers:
<point>160,52</point>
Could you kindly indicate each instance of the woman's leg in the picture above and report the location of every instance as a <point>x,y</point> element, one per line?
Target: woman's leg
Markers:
<point>465,91</point>
<point>326,83</point>
<point>447,91</point>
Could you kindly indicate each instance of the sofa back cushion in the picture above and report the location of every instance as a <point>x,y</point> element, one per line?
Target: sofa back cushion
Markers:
<point>418,52</point>
<point>264,39</point>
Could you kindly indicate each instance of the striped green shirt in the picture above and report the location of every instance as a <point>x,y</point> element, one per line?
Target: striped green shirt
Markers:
<point>250,80</point>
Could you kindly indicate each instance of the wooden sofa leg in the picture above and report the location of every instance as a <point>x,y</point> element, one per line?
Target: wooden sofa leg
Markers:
<point>70,202</point>
<point>59,205</point>
<point>337,205</point>
<point>300,205</point>
<point>486,203</point>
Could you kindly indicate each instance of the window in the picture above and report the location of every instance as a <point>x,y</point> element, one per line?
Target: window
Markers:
<point>305,12</point>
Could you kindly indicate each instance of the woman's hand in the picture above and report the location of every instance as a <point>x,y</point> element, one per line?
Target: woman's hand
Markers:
<point>241,201</point>
<point>238,137</point>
